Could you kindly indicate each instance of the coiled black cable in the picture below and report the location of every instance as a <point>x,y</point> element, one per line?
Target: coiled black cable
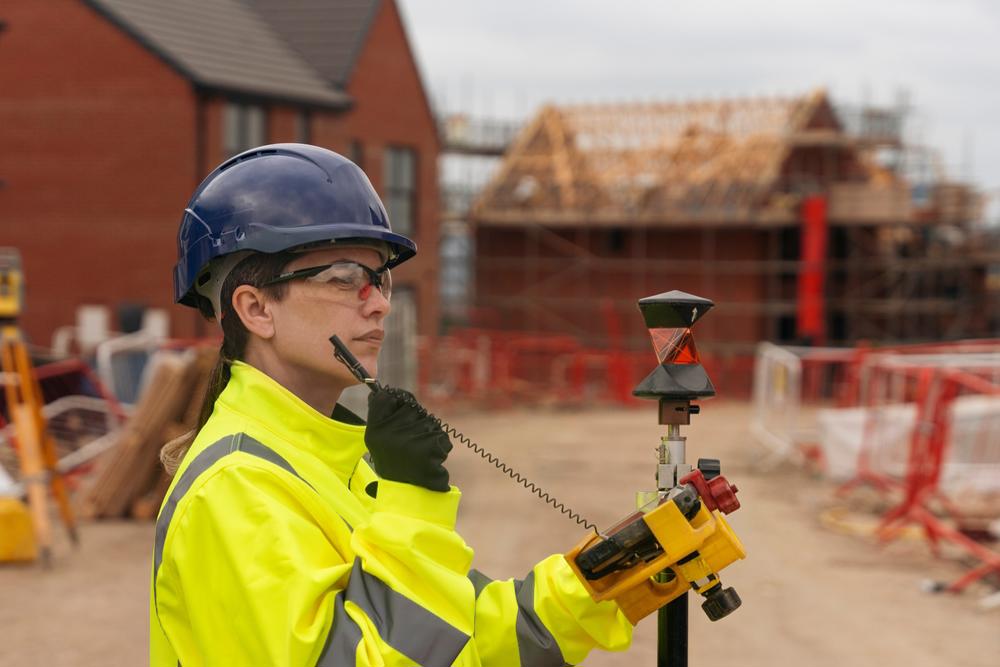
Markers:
<point>542,494</point>
<point>344,355</point>
<point>493,459</point>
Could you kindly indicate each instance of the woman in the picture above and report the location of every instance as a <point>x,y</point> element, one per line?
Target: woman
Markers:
<point>278,543</point>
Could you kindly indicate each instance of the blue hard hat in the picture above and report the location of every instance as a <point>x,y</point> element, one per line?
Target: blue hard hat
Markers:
<point>276,198</point>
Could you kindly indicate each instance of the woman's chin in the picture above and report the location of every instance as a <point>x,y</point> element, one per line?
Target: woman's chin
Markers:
<point>370,362</point>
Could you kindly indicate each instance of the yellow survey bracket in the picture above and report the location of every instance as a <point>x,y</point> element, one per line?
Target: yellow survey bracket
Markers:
<point>694,551</point>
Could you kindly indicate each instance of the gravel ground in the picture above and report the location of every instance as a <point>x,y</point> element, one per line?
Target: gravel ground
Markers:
<point>810,596</point>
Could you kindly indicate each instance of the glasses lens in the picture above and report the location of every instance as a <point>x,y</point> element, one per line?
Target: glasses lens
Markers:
<point>386,284</point>
<point>353,277</point>
<point>345,276</point>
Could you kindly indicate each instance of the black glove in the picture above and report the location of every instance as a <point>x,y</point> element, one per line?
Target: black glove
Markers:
<point>407,444</point>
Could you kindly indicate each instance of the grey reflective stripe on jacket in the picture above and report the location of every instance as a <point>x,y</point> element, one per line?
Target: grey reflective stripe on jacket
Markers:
<point>420,635</point>
<point>341,646</point>
<point>479,581</point>
<point>535,644</point>
<point>402,624</point>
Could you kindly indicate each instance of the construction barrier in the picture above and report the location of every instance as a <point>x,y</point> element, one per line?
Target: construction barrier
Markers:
<point>954,451</point>
<point>82,425</point>
<point>920,424</point>
<point>499,368</point>
<point>121,362</point>
<point>792,382</point>
<point>789,383</point>
<point>871,444</point>
<point>491,367</point>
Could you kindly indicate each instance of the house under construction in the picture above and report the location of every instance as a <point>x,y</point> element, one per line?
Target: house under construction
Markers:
<point>797,228</point>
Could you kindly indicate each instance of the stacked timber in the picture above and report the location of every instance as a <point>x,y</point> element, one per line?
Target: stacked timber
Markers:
<point>130,480</point>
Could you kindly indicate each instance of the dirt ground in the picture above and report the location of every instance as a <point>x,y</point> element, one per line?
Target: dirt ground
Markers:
<point>811,596</point>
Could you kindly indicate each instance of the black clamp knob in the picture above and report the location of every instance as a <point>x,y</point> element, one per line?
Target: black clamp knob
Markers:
<point>720,602</point>
<point>710,468</point>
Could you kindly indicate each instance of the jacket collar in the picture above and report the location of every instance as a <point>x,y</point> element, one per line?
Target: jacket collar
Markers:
<point>258,398</point>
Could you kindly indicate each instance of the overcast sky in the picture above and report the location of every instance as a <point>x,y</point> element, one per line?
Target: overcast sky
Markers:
<point>505,58</point>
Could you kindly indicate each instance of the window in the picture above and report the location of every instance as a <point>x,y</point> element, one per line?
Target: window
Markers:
<point>455,287</point>
<point>243,126</point>
<point>616,240</point>
<point>400,188</point>
<point>356,153</point>
<point>303,127</point>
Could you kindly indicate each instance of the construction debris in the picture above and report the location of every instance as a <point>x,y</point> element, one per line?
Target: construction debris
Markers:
<point>130,480</point>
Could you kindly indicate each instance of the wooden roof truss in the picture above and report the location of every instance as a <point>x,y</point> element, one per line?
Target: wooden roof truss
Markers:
<point>652,163</point>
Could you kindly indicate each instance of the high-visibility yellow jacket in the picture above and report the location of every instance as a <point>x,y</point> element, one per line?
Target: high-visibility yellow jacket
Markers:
<point>269,550</point>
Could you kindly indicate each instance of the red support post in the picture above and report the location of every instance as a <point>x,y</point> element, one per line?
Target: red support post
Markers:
<point>811,323</point>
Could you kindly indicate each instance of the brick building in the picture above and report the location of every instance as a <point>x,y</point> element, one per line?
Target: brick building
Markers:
<point>797,228</point>
<point>113,110</point>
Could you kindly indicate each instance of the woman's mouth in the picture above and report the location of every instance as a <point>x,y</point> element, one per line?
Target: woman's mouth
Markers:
<point>373,337</point>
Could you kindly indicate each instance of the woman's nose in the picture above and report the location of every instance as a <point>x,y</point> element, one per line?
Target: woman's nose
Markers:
<point>375,304</point>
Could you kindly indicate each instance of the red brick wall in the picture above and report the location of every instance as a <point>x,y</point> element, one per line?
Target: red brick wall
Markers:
<point>281,124</point>
<point>391,109</point>
<point>213,149</point>
<point>97,138</point>
<point>100,154</point>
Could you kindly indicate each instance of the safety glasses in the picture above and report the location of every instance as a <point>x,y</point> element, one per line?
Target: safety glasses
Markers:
<point>344,275</point>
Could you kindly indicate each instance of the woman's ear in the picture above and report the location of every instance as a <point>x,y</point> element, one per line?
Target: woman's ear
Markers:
<point>253,309</point>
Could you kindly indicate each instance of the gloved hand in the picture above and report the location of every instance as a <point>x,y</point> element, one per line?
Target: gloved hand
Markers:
<point>406,444</point>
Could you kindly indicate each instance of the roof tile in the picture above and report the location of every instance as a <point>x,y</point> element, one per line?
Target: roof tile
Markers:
<point>327,33</point>
<point>223,44</point>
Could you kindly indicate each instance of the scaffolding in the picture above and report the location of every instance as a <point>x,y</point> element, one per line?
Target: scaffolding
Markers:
<point>470,152</point>
<point>593,203</point>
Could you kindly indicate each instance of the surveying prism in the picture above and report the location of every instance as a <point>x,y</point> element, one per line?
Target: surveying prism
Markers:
<point>678,539</point>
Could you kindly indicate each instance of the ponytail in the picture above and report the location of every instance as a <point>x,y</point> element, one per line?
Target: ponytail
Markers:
<point>172,453</point>
<point>253,270</point>
<point>217,381</point>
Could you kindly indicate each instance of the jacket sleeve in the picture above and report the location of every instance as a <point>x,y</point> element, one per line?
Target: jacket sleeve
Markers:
<point>547,619</point>
<point>254,576</point>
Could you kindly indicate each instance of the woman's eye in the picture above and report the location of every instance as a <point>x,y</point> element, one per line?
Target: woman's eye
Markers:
<point>343,282</point>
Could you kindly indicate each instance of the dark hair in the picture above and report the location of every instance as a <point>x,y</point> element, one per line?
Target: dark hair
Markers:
<point>253,271</point>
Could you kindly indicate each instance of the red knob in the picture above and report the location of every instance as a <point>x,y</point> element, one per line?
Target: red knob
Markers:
<point>715,493</point>
<point>724,494</point>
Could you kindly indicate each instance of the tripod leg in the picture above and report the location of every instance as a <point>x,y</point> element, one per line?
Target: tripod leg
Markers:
<point>58,486</point>
<point>32,400</point>
<point>33,477</point>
